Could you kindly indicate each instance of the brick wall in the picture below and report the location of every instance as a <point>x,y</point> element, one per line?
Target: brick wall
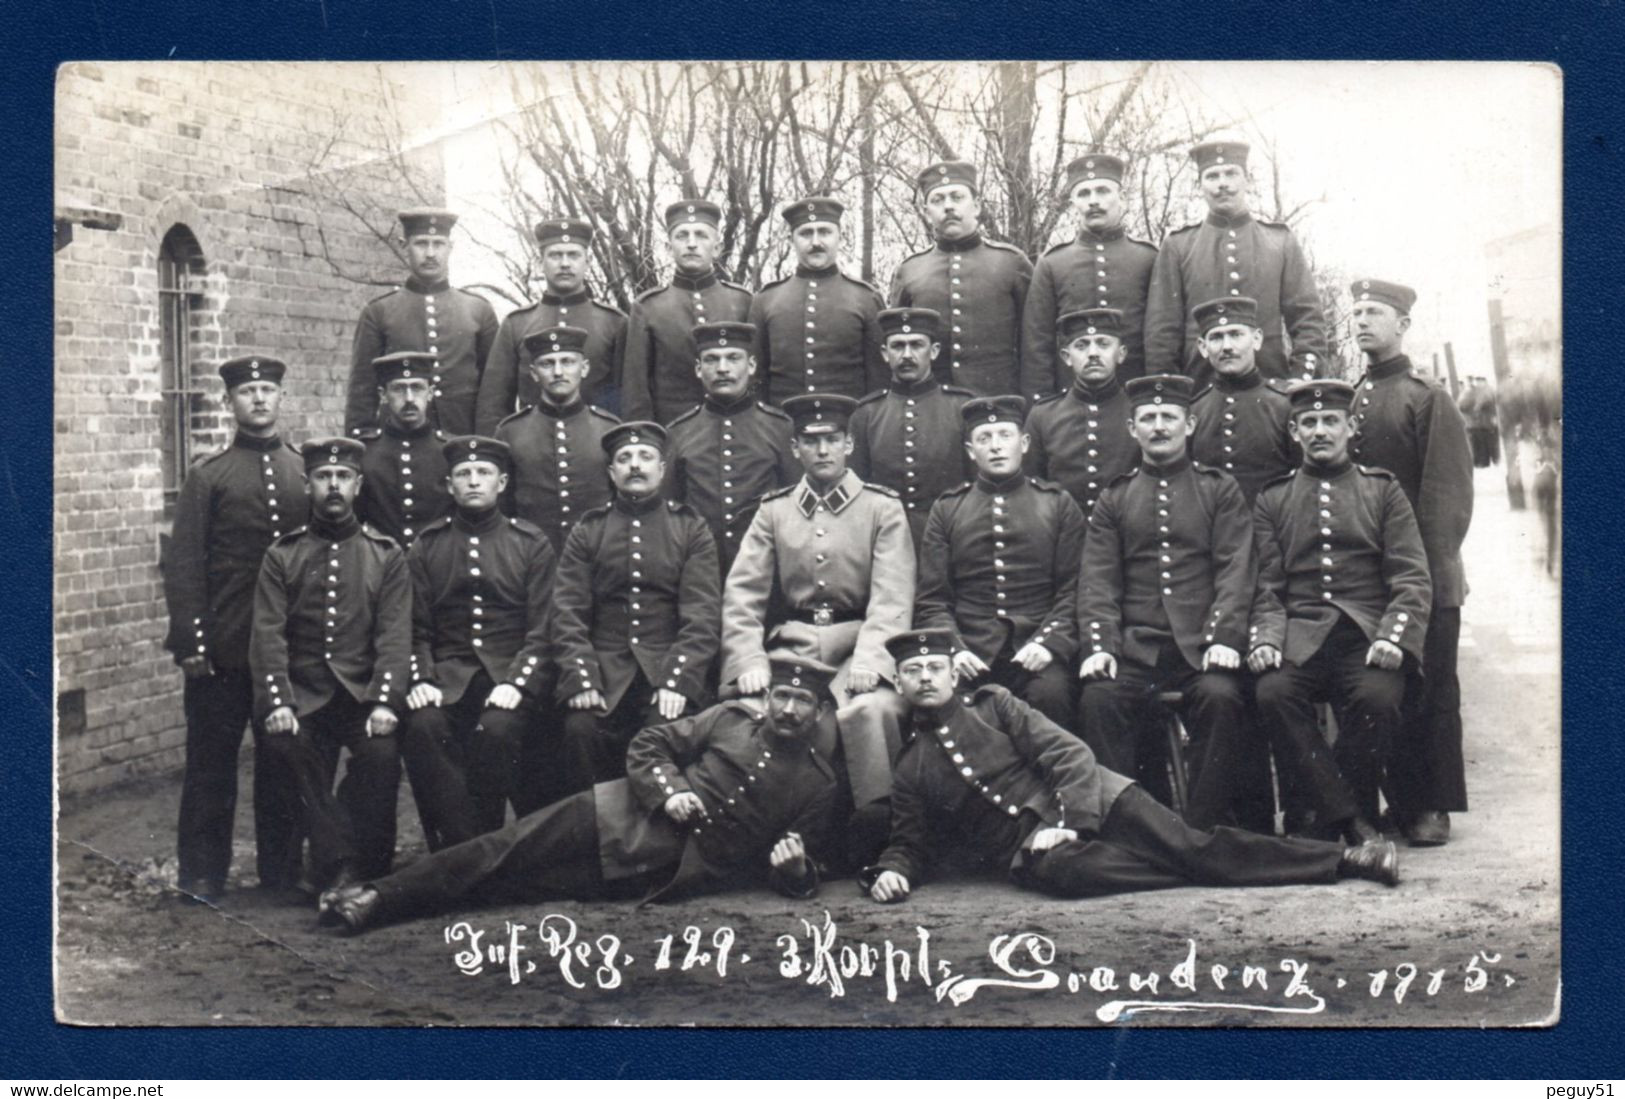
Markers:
<point>277,171</point>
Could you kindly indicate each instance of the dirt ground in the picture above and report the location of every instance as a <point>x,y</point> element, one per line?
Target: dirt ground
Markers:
<point>1470,938</point>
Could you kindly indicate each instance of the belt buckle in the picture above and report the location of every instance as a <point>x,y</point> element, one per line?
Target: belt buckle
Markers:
<point>823,616</point>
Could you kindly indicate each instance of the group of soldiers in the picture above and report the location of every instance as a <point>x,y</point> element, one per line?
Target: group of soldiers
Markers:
<point>884,591</point>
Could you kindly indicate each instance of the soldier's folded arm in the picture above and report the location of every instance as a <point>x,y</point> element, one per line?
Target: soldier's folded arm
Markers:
<point>185,574</point>
<point>268,646</point>
<point>908,851</point>
<point>1059,631</point>
<point>1267,619</point>
<point>1100,583</point>
<point>392,636</point>
<point>1066,762</point>
<point>571,614</point>
<point>934,605</point>
<point>658,753</point>
<point>1405,571</point>
<point>1165,313</point>
<point>361,397</point>
<point>1233,573</point>
<point>1300,309</point>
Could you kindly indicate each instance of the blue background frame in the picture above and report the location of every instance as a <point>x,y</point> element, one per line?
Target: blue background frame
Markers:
<point>1586,39</point>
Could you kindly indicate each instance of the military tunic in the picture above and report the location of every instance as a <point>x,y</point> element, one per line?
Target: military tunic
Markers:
<point>910,438</point>
<point>506,386</point>
<point>459,326</point>
<point>1080,440</point>
<point>559,467</point>
<point>1243,257</point>
<point>978,287</point>
<point>657,377</point>
<point>818,332</point>
<point>1241,428</point>
<point>1096,271</point>
<point>403,486</point>
<point>722,458</point>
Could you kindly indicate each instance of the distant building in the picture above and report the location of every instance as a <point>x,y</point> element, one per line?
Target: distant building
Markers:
<point>1525,302</point>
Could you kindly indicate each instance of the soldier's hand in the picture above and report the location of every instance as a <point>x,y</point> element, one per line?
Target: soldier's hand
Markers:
<point>861,681</point>
<point>505,696</point>
<point>282,721</point>
<point>1263,658</point>
<point>1045,838</point>
<point>588,700</point>
<point>755,682</point>
<point>424,694</point>
<point>382,721</point>
<point>685,807</point>
<point>669,704</point>
<point>196,667</point>
<point>1034,657</point>
<point>1221,656</point>
<point>968,664</point>
<point>789,855</point>
<point>1099,666</point>
<point>1385,655</point>
<point>890,887</point>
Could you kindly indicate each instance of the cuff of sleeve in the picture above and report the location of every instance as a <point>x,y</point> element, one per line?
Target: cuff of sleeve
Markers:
<point>799,888</point>
<point>1232,638</point>
<point>578,675</point>
<point>524,671</point>
<point>667,779</point>
<point>1397,629</point>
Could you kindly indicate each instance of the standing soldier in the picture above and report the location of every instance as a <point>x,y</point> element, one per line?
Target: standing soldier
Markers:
<point>1231,254</point>
<point>999,567</point>
<point>1080,437</point>
<point>231,508</point>
<point>1241,419</point>
<point>506,386</point>
<point>637,616</point>
<point>908,435</point>
<point>657,376</point>
<point>817,330</point>
<point>977,286</point>
<point>403,476</point>
<point>1414,431</point>
<point>331,648</point>
<point>729,450</point>
<point>457,327</point>
<point>481,582</point>
<point>558,462</point>
<point>1103,268</point>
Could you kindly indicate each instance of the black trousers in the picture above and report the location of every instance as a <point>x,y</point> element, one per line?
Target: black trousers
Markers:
<point>463,763</point>
<point>1120,726</point>
<point>1051,692</point>
<point>1145,845</point>
<point>1340,783</point>
<point>356,829</point>
<point>217,708</point>
<point>1425,767</point>
<point>592,746</point>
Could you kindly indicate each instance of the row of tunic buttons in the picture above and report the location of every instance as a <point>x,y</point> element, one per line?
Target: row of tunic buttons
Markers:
<point>269,472</point>
<point>969,773</point>
<point>434,338</point>
<point>1100,270</point>
<point>1094,452</point>
<point>999,594</point>
<point>953,265</point>
<point>727,466</point>
<point>1229,418</point>
<point>812,310</point>
<point>908,443</point>
<point>561,447</point>
<point>406,483</point>
<point>478,598</point>
<point>637,575</point>
<point>332,598</point>
<point>1326,532</point>
<point>1235,276</point>
<point>1162,528</point>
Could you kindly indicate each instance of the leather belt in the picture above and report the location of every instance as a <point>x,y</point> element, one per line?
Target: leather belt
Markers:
<point>826,616</point>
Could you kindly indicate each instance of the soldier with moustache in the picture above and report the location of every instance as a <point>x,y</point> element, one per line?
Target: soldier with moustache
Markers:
<point>1102,268</point>
<point>988,785</point>
<point>1414,431</point>
<point>976,285</point>
<point>330,656</point>
<point>232,506</point>
<point>907,436</point>
<point>556,443</point>
<point>657,375</point>
<point>709,802</point>
<point>1232,254</point>
<point>637,615</point>
<point>1241,419</point>
<point>817,331</point>
<point>1080,437</point>
<point>999,567</point>
<point>729,450</point>
<point>1340,611</point>
<point>457,327</point>
<point>481,586</point>
<point>506,386</point>
<point>1166,587</point>
<point>403,475</point>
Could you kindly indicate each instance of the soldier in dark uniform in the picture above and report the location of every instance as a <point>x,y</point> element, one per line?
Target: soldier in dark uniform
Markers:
<point>637,614</point>
<point>1342,601</point>
<point>817,330</point>
<point>1103,268</point>
<point>481,586</point>
<point>233,505</point>
<point>709,802</point>
<point>1414,431</point>
<point>657,376</point>
<point>978,286</point>
<point>1241,419</point>
<point>1231,254</point>
<point>1080,438</point>
<point>403,476</point>
<point>999,567</point>
<point>506,386</point>
<point>330,653</point>
<point>990,785</point>
<point>908,436</point>
<point>727,451</point>
<point>457,327</point>
<point>1163,602</point>
<point>558,459</point>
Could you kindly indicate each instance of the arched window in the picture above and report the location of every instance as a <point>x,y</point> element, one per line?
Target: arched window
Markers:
<point>180,293</point>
